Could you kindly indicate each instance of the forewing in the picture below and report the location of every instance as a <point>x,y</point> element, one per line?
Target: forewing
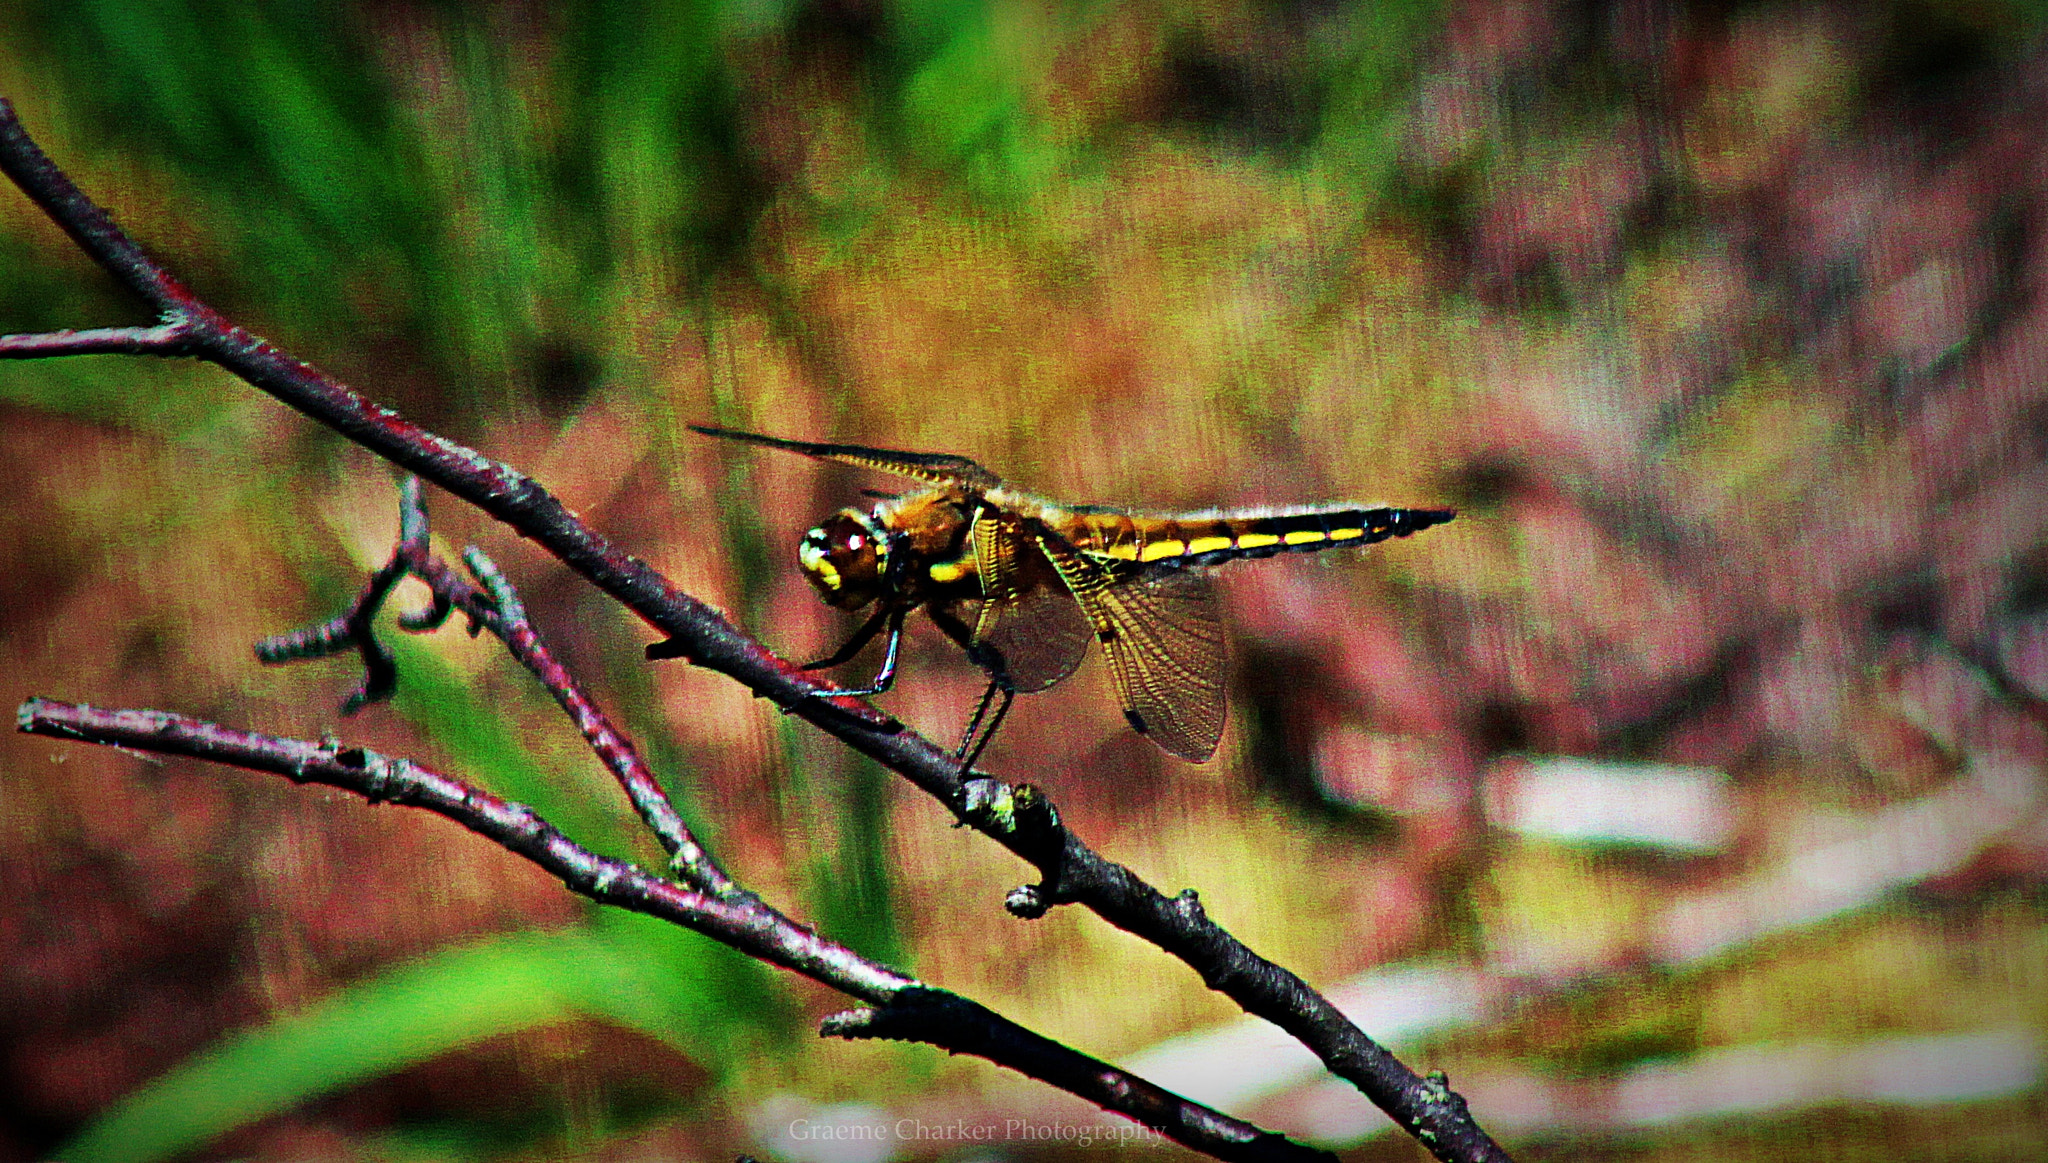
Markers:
<point>1164,635</point>
<point>930,467</point>
<point>1031,629</point>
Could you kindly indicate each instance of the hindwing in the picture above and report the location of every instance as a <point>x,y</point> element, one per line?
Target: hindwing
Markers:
<point>1162,629</point>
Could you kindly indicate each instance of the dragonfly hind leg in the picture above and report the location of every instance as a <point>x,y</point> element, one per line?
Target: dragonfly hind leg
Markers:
<point>976,738</point>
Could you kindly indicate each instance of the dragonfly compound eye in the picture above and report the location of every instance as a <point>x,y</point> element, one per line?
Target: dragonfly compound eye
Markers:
<point>847,558</point>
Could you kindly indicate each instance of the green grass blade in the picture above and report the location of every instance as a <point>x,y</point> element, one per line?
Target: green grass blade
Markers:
<point>402,1017</point>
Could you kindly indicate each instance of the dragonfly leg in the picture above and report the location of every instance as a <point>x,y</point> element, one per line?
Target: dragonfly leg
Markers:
<point>886,678</point>
<point>976,738</point>
<point>853,645</point>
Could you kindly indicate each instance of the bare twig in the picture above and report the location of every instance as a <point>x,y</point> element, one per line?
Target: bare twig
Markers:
<point>165,339</point>
<point>617,752</point>
<point>1071,871</point>
<point>903,1006</point>
<point>355,626</point>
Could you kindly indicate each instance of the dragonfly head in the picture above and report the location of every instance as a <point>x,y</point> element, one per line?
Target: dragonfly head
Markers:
<point>847,558</point>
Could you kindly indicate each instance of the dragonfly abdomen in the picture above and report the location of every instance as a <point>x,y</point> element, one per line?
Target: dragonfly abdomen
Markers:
<point>1200,540</point>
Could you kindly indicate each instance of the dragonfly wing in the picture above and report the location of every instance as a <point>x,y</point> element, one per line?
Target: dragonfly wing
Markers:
<point>930,467</point>
<point>1164,634</point>
<point>1031,629</point>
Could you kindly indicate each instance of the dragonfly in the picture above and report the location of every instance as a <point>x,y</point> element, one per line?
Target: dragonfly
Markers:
<point>1025,584</point>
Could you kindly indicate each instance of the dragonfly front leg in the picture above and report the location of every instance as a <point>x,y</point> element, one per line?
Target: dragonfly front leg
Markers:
<point>854,645</point>
<point>886,678</point>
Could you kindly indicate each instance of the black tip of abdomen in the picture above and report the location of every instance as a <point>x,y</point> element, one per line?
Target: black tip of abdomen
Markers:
<point>1416,520</point>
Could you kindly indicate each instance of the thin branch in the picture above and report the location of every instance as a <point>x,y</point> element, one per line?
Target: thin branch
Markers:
<point>1072,872</point>
<point>163,339</point>
<point>903,1006</point>
<point>616,751</point>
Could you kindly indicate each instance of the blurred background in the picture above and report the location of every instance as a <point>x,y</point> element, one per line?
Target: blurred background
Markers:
<point>1683,800</point>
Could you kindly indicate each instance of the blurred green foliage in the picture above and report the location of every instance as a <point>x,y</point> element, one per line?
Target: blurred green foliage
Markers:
<point>505,193</point>
<point>618,972</point>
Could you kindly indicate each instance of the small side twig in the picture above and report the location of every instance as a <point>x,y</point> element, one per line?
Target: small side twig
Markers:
<point>352,627</point>
<point>163,339</point>
<point>355,627</point>
<point>903,1006</point>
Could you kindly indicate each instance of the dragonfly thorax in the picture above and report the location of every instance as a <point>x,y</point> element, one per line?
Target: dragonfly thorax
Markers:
<point>847,558</point>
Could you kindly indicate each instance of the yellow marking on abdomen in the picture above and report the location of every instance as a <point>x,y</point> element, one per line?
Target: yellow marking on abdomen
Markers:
<point>1257,540</point>
<point>1159,549</point>
<point>1122,551</point>
<point>1346,534</point>
<point>948,571</point>
<point>1207,545</point>
<point>1303,536</point>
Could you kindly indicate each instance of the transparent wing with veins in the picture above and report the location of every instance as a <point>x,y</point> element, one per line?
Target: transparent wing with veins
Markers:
<point>1163,632</point>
